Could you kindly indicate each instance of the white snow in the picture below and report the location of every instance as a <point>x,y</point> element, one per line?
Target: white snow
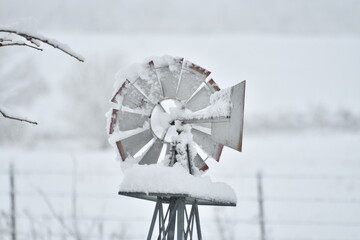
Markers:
<point>159,178</point>
<point>220,107</point>
<point>164,61</point>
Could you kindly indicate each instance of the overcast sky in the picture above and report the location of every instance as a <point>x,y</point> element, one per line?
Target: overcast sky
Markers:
<point>326,17</point>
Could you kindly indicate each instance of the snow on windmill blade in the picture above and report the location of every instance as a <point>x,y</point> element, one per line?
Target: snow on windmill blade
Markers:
<point>201,98</point>
<point>131,97</point>
<point>192,76</point>
<point>168,70</point>
<point>148,83</point>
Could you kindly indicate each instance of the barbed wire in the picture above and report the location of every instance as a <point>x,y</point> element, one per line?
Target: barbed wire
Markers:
<point>240,175</point>
<point>253,221</point>
<point>239,198</point>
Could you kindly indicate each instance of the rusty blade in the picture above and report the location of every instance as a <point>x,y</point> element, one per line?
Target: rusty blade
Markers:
<point>230,132</point>
<point>132,98</point>
<point>201,98</point>
<point>131,145</point>
<point>200,163</point>
<point>192,76</point>
<point>149,84</point>
<point>205,142</point>
<point>113,120</point>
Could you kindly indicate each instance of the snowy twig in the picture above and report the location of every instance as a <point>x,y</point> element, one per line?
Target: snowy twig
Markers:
<point>13,117</point>
<point>33,38</point>
<point>19,44</point>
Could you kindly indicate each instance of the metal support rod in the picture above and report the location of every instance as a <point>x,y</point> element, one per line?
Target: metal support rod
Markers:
<point>261,207</point>
<point>180,219</point>
<point>190,222</point>
<point>197,217</point>
<point>158,202</point>
<point>189,159</point>
<point>172,219</point>
<point>176,224</point>
<point>12,202</point>
<point>161,219</point>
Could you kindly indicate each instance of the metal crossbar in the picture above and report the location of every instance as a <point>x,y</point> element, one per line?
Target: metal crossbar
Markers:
<point>177,223</point>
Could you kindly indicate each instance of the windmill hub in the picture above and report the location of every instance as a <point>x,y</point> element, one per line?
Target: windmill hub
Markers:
<point>164,119</point>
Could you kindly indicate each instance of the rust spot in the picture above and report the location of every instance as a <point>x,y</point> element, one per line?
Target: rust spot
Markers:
<point>121,89</point>
<point>214,86</point>
<point>121,150</point>
<point>204,168</point>
<point>199,69</point>
<point>113,120</point>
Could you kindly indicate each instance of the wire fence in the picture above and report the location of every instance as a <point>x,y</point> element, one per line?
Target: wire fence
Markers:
<point>262,221</point>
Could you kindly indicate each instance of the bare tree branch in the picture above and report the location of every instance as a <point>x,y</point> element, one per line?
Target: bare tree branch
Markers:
<point>7,115</point>
<point>32,37</point>
<point>19,44</point>
<point>31,40</point>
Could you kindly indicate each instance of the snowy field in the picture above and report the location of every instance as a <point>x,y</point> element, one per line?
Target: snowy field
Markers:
<point>301,131</point>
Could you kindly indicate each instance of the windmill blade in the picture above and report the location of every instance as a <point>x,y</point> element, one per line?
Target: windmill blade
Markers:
<point>132,98</point>
<point>230,132</point>
<point>113,119</point>
<point>131,145</point>
<point>201,98</point>
<point>153,153</point>
<point>128,120</point>
<point>169,75</point>
<point>148,83</point>
<point>192,76</point>
<point>212,148</point>
<point>200,163</point>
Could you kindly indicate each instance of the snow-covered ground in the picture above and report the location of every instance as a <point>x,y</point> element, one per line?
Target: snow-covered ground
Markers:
<point>311,168</point>
<point>311,189</point>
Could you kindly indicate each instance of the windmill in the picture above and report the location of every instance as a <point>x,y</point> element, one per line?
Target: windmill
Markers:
<point>168,110</point>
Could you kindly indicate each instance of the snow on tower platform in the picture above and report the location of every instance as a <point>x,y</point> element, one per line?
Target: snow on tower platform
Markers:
<point>157,180</point>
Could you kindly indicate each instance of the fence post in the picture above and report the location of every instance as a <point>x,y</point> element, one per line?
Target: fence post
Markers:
<point>12,202</point>
<point>261,206</point>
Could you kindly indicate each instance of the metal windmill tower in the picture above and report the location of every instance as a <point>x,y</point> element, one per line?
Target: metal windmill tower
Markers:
<point>168,110</point>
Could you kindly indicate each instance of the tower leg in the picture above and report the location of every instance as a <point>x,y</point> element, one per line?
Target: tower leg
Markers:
<point>197,217</point>
<point>180,219</point>
<point>172,219</point>
<point>175,221</point>
<point>156,210</point>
